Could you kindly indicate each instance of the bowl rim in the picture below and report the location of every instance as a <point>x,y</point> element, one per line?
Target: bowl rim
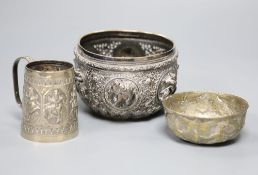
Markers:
<point>169,110</point>
<point>136,59</point>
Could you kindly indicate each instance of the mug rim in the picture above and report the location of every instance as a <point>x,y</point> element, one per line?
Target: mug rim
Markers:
<point>67,66</point>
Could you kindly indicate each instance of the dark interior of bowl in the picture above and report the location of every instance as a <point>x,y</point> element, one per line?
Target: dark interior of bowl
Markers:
<point>122,45</point>
<point>49,65</point>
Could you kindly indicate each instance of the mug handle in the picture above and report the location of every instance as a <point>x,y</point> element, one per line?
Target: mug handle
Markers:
<point>15,78</point>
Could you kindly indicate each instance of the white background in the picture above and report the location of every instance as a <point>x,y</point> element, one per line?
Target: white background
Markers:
<point>217,42</point>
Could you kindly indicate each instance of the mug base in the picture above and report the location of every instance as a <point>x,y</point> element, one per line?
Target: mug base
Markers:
<point>49,139</point>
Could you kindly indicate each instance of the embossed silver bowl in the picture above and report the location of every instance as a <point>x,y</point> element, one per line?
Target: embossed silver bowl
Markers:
<point>205,117</point>
<point>125,74</point>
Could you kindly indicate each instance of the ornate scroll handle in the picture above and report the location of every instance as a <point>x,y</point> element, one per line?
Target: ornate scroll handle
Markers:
<point>15,78</point>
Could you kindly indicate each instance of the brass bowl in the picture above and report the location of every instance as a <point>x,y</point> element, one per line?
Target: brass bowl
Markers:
<point>205,117</point>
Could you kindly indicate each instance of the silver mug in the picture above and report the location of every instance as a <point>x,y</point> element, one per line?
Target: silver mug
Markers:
<point>49,103</point>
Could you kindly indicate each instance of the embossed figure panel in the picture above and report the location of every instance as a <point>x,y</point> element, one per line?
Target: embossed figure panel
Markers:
<point>121,93</point>
<point>55,111</point>
<point>32,104</point>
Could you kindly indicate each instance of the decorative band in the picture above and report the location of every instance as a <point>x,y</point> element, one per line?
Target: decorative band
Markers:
<point>48,82</point>
<point>84,59</point>
<point>49,131</point>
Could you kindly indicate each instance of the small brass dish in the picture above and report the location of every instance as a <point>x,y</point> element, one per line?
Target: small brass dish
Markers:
<point>205,117</point>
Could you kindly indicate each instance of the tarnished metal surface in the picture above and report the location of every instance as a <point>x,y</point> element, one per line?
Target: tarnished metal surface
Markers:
<point>49,102</point>
<point>124,74</point>
<point>205,117</point>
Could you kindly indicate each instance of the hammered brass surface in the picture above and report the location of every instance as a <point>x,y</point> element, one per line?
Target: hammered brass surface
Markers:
<point>205,117</point>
